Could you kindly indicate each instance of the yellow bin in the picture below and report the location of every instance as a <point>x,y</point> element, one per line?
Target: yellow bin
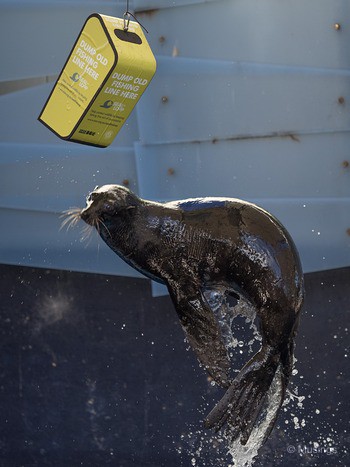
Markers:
<point>103,79</point>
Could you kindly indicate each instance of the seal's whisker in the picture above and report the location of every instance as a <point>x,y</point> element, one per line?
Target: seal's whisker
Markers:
<point>87,230</point>
<point>86,234</point>
<point>97,225</point>
<point>104,225</point>
<point>71,212</point>
<point>71,221</point>
<point>72,216</point>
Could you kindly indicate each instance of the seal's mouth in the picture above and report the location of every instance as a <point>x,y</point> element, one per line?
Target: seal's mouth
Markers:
<point>85,215</point>
<point>91,214</point>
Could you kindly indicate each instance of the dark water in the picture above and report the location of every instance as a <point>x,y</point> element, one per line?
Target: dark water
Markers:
<point>95,372</point>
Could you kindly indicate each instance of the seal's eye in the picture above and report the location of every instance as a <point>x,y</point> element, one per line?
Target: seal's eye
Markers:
<point>108,207</point>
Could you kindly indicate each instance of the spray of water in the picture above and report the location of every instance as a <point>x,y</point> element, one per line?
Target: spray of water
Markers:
<point>237,319</point>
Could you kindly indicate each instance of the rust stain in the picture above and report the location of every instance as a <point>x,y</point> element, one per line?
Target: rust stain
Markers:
<point>215,140</point>
<point>293,137</point>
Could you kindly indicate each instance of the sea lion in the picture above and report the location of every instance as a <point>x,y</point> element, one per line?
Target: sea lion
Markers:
<point>198,244</point>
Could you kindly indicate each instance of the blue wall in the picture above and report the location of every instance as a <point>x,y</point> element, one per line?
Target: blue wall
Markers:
<point>257,107</point>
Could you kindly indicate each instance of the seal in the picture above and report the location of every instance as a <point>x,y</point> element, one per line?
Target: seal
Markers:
<point>202,244</point>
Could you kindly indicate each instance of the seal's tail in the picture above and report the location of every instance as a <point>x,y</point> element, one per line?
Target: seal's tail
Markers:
<point>244,403</point>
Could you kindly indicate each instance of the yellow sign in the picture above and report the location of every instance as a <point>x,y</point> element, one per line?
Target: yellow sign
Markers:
<point>104,77</point>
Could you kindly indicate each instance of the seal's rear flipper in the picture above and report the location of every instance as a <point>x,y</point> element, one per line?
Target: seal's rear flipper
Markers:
<point>245,402</point>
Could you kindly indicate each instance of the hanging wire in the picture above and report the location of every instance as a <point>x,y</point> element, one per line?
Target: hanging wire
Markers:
<point>127,16</point>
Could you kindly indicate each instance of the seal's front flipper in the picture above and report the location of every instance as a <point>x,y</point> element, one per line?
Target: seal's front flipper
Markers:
<point>245,403</point>
<point>202,331</point>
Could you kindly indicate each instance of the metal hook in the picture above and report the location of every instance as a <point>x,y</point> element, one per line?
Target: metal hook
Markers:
<point>126,18</point>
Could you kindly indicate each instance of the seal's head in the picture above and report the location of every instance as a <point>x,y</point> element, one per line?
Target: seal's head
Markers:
<point>105,202</point>
<point>102,205</point>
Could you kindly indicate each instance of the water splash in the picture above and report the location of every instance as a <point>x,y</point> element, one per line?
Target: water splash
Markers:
<point>243,456</point>
<point>237,320</point>
<point>227,308</point>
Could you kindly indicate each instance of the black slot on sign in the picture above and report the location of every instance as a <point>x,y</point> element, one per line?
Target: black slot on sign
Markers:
<point>128,36</point>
